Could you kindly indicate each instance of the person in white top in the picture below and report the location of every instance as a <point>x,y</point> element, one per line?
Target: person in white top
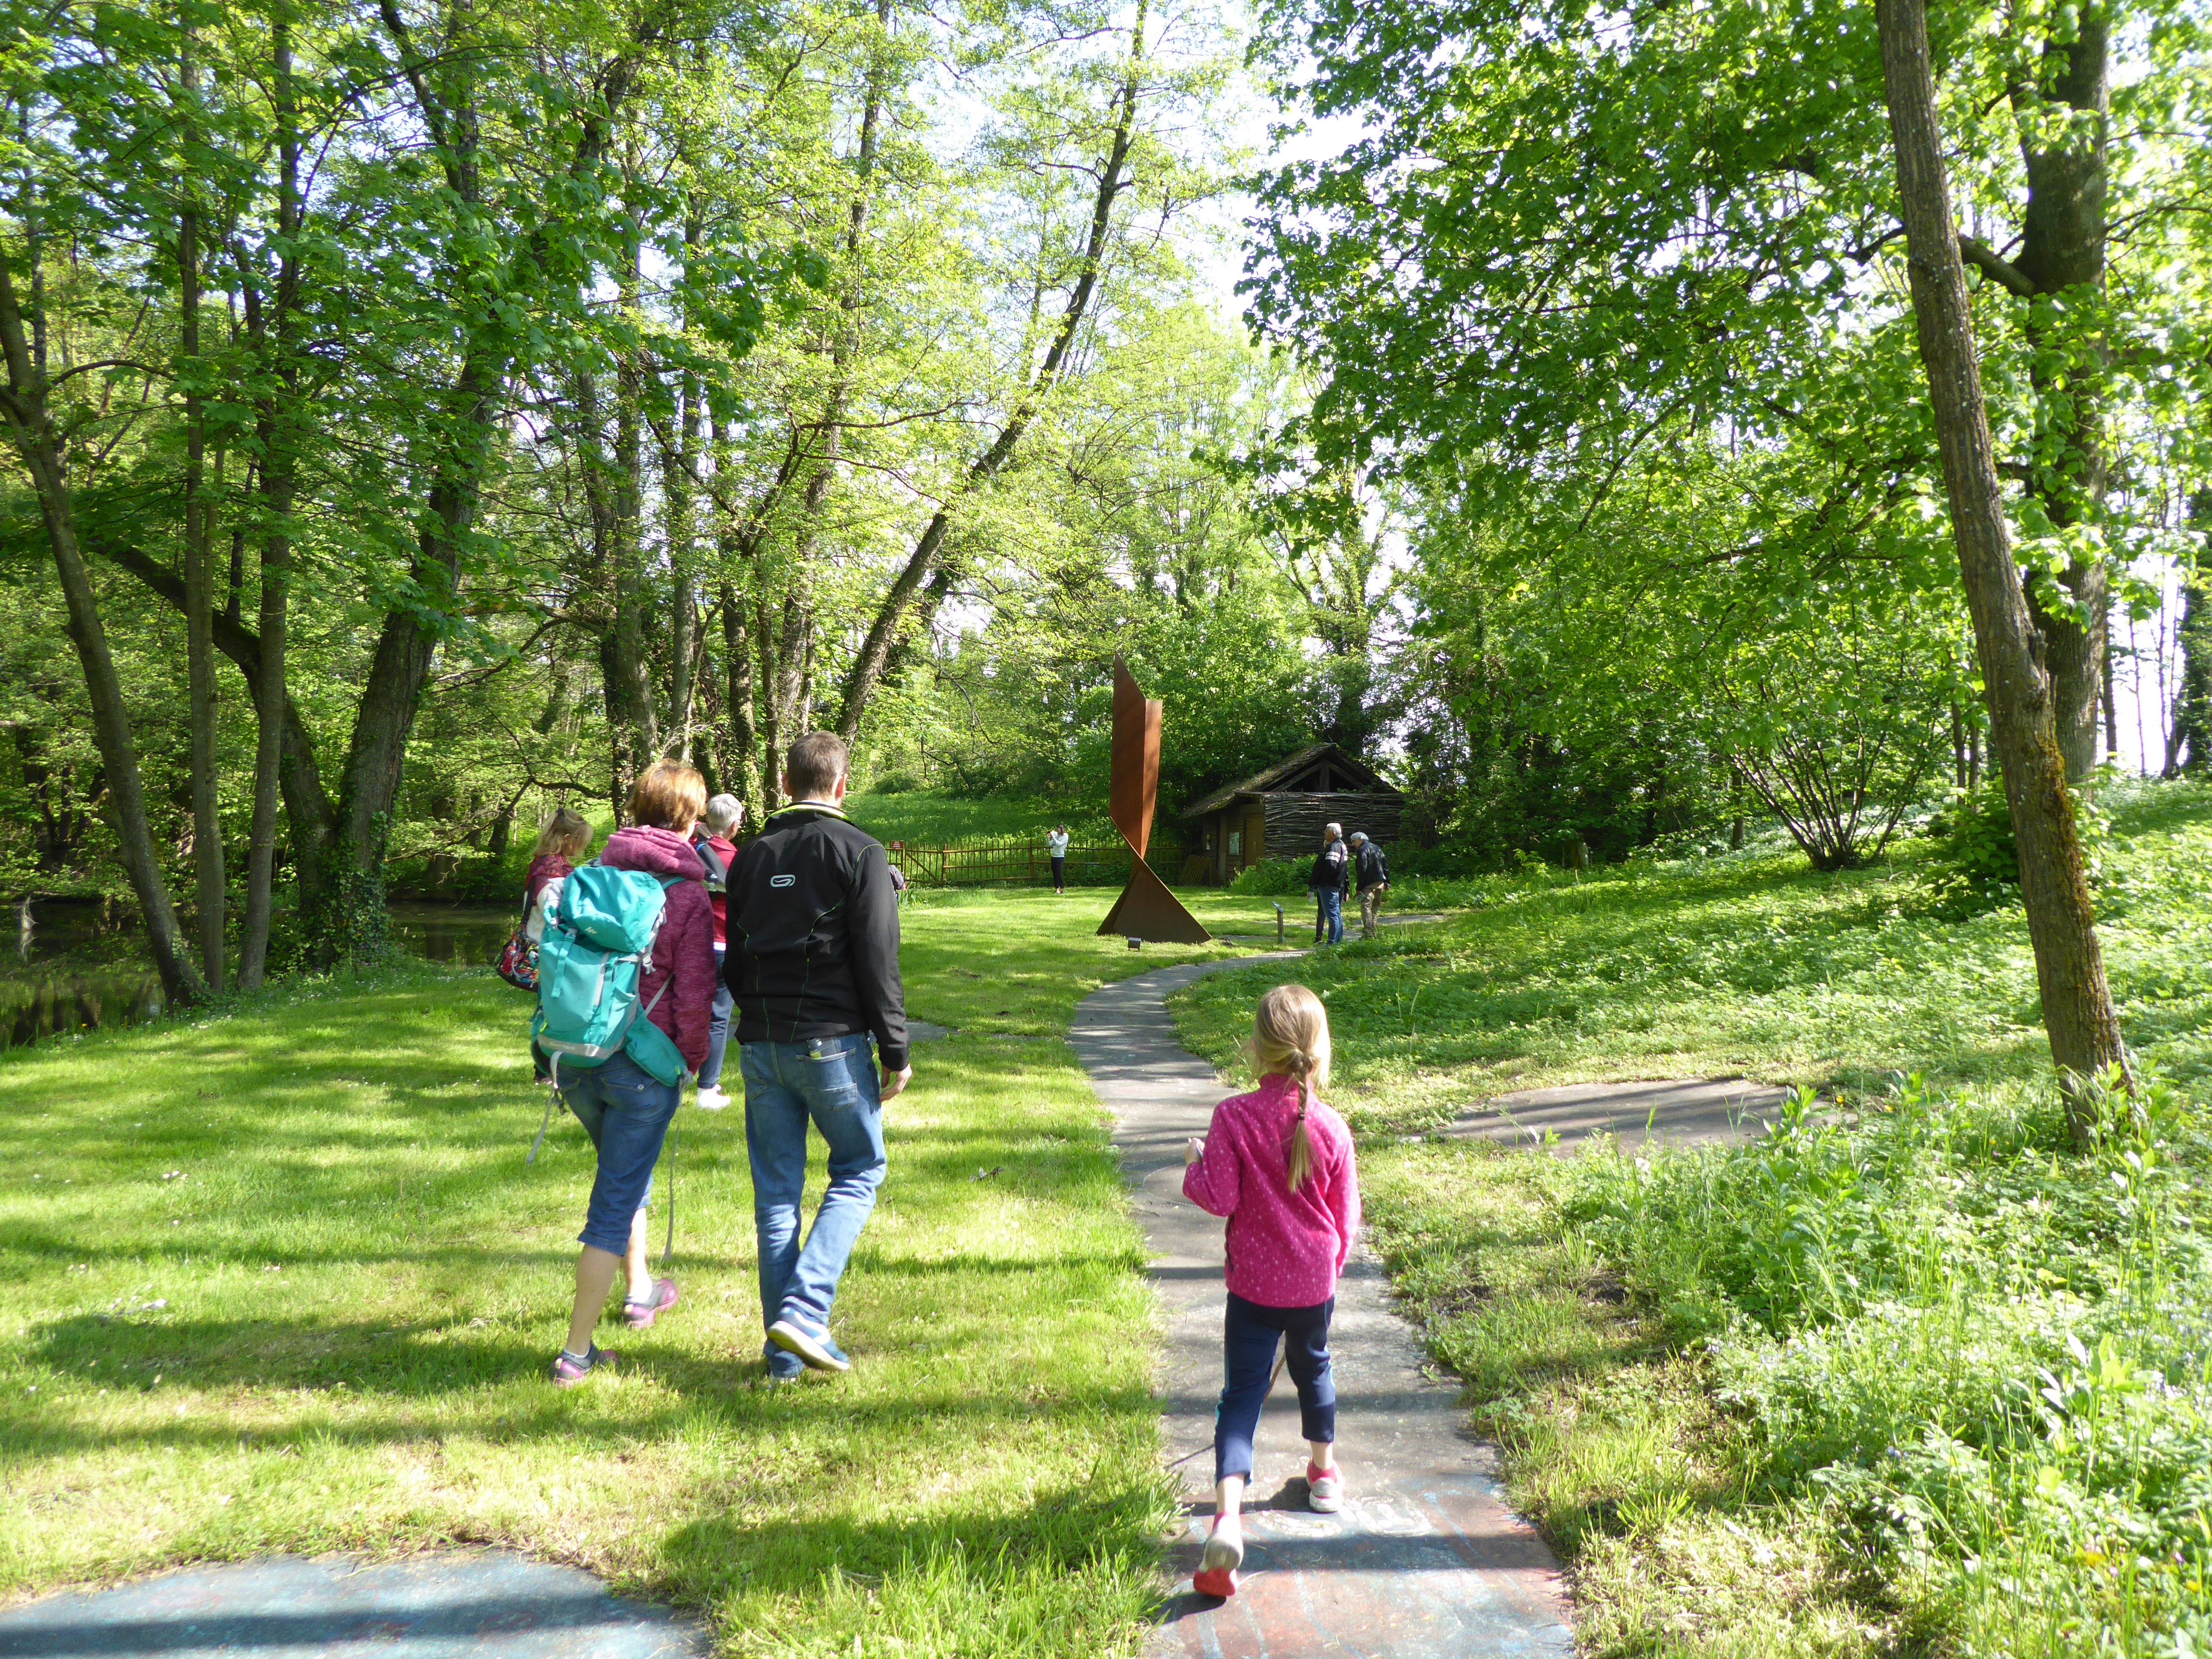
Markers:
<point>1056,844</point>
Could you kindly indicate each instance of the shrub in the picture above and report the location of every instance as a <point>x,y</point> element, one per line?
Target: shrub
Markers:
<point>1979,869</point>
<point>1273,877</point>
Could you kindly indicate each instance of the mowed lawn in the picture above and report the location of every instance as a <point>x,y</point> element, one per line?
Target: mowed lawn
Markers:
<point>281,1281</point>
<point>1753,966</point>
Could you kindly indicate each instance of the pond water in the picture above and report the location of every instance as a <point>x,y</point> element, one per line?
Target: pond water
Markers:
<point>467,935</point>
<point>76,964</point>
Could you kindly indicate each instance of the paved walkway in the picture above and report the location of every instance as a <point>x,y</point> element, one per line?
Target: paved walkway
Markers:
<point>1425,1559</point>
<point>1694,1111</point>
<point>476,1604</point>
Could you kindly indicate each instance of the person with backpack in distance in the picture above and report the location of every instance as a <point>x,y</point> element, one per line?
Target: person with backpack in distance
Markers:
<point>1056,849</point>
<point>718,852</point>
<point>1279,1165</point>
<point>1330,880</point>
<point>1370,874</point>
<point>566,837</point>
<point>813,963</point>
<point>626,993</point>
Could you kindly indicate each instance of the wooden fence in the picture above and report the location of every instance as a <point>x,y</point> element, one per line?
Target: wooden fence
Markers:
<point>1022,863</point>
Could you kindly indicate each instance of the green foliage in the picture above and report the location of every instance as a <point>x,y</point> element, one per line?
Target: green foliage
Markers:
<point>1980,845</point>
<point>1981,1348</point>
<point>1979,869</point>
<point>1273,876</point>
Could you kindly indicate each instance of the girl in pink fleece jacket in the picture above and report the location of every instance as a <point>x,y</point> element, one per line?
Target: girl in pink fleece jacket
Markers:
<point>1279,1165</point>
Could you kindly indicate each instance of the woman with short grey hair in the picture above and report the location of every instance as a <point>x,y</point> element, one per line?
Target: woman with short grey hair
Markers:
<point>717,851</point>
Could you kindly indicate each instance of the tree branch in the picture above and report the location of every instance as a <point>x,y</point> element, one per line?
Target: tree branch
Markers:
<point>1995,266</point>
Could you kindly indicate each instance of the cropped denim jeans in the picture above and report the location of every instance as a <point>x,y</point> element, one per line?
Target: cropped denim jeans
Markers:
<point>831,1083</point>
<point>625,1111</point>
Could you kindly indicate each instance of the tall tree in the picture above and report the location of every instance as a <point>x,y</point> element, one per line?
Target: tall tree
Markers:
<point>892,615</point>
<point>2077,1005</point>
<point>273,333</point>
<point>27,403</point>
<point>199,571</point>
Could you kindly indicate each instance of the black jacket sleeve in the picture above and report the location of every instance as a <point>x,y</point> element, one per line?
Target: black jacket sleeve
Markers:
<point>875,939</point>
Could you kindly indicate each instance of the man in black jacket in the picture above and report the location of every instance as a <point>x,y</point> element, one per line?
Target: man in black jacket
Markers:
<point>813,963</point>
<point>1370,874</point>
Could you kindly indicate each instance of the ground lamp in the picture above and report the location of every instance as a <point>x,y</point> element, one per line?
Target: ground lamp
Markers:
<point>1146,909</point>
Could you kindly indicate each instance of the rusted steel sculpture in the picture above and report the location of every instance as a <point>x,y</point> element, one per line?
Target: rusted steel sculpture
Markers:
<point>1146,909</point>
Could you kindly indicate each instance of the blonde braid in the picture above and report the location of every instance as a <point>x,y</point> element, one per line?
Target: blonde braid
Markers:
<point>1289,1036</point>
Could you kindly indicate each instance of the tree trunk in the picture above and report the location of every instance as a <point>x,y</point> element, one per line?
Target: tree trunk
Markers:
<point>739,762</point>
<point>2077,1006</point>
<point>2105,688</point>
<point>2190,747</point>
<point>277,424</point>
<point>2063,252</point>
<point>30,424</point>
<point>352,920</point>
<point>199,570</point>
<point>308,809</point>
<point>624,674</point>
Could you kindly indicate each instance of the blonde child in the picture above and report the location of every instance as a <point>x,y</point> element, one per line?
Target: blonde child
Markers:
<point>566,837</point>
<point>1279,1165</point>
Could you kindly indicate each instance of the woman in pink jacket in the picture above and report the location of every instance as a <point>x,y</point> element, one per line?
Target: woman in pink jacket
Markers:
<point>622,1107</point>
<point>1279,1165</point>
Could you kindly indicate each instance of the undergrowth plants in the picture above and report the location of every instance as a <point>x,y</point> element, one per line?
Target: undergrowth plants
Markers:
<point>1976,1356</point>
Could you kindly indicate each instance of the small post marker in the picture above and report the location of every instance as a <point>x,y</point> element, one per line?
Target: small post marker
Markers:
<point>1278,924</point>
<point>1136,944</point>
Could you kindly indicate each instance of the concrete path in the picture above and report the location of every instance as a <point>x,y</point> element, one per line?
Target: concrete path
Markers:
<point>1425,1559</point>
<point>1691,1112</point>
<point>487,1604</point>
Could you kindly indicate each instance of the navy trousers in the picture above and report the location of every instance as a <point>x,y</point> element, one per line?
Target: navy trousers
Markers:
<point>1248,1336</point>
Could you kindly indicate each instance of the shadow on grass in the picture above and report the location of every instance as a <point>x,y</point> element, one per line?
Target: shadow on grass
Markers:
<point>498,1390</point>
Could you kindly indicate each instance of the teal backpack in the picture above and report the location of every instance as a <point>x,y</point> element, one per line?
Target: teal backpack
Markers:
<point>597,942</point>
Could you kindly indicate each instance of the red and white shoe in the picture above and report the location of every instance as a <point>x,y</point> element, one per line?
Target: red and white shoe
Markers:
<point>1216,1567</point>
<point>1324,1489</point>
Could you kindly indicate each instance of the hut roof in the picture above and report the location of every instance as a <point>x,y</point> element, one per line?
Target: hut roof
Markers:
<point>1342,765</point>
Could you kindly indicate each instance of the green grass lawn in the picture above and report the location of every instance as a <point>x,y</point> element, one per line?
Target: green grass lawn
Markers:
<point>1928,1382</point>
<point>281,1281</point>
<point>1751,967</point>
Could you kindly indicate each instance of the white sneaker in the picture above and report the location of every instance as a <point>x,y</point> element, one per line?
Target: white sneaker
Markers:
<point>712,1100</point>
<point>1324,1489</point>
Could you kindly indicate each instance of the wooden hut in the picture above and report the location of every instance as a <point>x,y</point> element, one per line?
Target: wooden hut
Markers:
<point>1279,813</point>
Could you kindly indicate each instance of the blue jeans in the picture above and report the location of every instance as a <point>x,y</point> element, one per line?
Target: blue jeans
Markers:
<point>830,1082</point>
<point>718,1028</point>
<point>1332,913</point>
<point>625,1111</point>
<point>1248,1336</point>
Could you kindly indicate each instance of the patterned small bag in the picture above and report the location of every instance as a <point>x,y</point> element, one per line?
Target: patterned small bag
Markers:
<point>518,962</point>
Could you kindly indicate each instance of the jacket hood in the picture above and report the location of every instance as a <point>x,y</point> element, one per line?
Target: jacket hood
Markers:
<point>657,852</point>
